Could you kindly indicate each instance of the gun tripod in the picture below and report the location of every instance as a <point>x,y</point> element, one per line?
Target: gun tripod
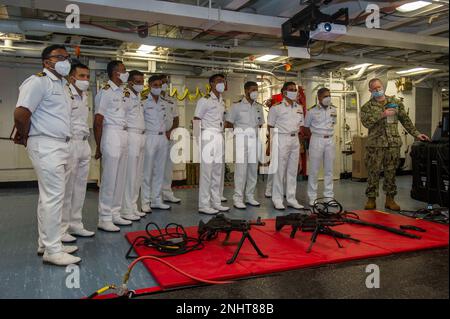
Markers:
<point>326,230</point>
<point>245,235</point>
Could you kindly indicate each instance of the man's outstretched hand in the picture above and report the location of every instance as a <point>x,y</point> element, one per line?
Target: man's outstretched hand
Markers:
<point>423,138</point>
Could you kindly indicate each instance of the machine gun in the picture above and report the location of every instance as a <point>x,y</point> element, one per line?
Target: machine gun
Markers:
<point>221,224</point>
<point>315,224</point>
<point>327,214</point>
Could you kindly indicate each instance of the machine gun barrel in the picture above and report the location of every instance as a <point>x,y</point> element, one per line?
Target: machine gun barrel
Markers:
<point>382,227</point>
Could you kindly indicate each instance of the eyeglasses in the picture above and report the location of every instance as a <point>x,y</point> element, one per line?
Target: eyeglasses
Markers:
<point>60,57</point>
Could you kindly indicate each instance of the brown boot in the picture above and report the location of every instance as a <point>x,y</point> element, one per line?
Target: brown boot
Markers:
<point>371,203</point>
<point>391,204</point>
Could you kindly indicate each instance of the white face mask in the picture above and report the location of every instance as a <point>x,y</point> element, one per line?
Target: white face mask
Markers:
<point>138,88</point>
<point>156,91</point>
<point>63,67</point>
<point>326,101</point>
<point>220,87</point>
<point>165,87</point>
<point>291,95</point>
<point>254,95</point>
<point>83,85</point>
<point>124,77</point>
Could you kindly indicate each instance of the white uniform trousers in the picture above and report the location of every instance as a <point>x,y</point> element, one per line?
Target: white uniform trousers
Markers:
<point>211,169</point>
<point>114,148</point>
<point>321,150</point>
<point>269,184</point>
<point>155,157</point>
<point>135,172</point>
<point>80,158</point>
<point>246,168</point>
<point>168,172</point>
<point>50,159</point>
<point>286,173</point>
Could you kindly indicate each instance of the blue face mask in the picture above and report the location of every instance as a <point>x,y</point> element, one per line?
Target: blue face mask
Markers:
<point>378,94</point>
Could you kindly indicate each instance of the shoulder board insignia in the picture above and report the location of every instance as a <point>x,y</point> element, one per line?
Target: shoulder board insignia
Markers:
<point>41,74</point>
<point>126,93</point>
<point>207,96</point>
<point>166,100</point>
<point>106,87</point>
<point>311,107</point>
<point>239,101</point>
<point>144,95</point>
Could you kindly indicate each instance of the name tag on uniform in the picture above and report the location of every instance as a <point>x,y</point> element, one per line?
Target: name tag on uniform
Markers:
<point>57,93</point>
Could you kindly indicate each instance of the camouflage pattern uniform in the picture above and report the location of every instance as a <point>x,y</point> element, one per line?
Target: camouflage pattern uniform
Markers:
<point>383,145</point>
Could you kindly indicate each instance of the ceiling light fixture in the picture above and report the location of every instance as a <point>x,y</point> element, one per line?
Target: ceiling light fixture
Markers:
<point>413,6</point>
<point>416,71</point>
<point>267,57</point>
<point>145,49</point>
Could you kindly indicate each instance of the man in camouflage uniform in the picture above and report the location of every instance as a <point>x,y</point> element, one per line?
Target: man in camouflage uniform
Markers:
<point>381,116</point>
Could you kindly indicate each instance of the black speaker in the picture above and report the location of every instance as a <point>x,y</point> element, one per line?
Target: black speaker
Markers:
<point>430,172</point>
<point>420,184</point>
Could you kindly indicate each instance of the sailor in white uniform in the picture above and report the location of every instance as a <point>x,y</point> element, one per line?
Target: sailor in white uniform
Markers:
<point>209,113</point>
<point>136,146</point>
<point>246,117</point>
<point>287,118</point>
<point>173,122</point>
<point>156,147</point>
<point>320,122</point>
<point>110,128</point>
<point>42,119</point>
<point>80,155</point>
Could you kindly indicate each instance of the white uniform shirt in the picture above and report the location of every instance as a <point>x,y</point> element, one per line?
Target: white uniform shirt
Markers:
<point>111,105</point>
<point>286,118</point>
<point>135,110</point>
<point>172,111</point>
<point>155,115</point>
<point>211,110</point>
<point>44,96</point>
<point>80,112</point>
<point>321,120</point>
<point>245,115</point>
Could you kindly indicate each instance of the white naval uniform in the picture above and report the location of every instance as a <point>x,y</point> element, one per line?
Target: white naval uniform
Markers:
<point>136,147</point>
<point>156,147</point>
<point>172,113</point>
<point>48,148</point>
<point>321,122</point>
<point>80,157</point>
<point>288,120</point>
<point>211,110</point>
<point>246,119</point>
<point>114,148</point>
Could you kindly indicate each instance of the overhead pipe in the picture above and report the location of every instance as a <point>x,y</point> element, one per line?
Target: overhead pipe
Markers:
<point>358,75</point>
<point>234,66</point>
<point>23,26</point>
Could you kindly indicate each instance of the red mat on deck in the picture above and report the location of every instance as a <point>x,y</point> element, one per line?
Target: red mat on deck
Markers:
<point>289,254</point>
